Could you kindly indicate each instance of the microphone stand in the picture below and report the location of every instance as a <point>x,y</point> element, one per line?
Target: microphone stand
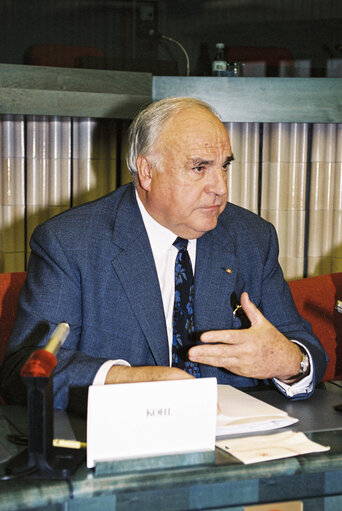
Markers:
<point>41,460</point>
<point>153,33</point>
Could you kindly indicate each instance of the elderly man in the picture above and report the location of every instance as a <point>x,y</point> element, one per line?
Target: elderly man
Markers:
<point>108,269</point>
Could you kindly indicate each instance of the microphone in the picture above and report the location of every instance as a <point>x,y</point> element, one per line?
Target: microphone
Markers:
<point>42,362</point>
<point>158,35</point>
<point>154,33</point>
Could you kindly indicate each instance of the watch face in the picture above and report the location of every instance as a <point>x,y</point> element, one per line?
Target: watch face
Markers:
<point>304,365</point>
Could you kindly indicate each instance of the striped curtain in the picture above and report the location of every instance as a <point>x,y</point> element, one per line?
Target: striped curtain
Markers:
<point>289,173</point>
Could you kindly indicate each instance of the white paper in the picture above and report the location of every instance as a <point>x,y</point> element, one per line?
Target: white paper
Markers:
<point>242,413</point>
<point>254,449</point>
<point>150,419</point>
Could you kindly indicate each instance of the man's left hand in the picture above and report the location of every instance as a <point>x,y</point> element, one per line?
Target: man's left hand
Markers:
<point>260,351</point>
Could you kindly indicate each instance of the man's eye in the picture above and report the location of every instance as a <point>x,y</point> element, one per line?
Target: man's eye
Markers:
<point>198,168</point>
<point>226,165</point>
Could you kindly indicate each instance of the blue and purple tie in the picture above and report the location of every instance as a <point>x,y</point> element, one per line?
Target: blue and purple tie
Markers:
<point>183,311</point>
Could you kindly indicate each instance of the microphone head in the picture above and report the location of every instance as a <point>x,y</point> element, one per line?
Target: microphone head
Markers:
<point>154,33</point>
<point>42,362</point>
<point>39,365</point>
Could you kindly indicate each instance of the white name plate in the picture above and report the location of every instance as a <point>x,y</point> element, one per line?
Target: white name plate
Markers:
<point>134,420</point>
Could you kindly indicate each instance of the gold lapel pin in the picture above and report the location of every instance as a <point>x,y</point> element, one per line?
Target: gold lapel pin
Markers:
<point>228,270</point>
<point>235,311</point>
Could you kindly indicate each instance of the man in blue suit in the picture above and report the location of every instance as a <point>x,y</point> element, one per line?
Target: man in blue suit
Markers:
<point>106,268</point>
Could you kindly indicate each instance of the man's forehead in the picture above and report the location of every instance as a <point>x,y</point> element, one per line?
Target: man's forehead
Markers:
<point>195,132</point>
<point>194,119</point>
<point>207,144</point>
<point>209,136</point>
<point>195,151</point>
<point>210,141</point>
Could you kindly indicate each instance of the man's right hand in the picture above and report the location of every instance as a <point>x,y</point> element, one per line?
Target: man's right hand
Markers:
<point>124,374</point>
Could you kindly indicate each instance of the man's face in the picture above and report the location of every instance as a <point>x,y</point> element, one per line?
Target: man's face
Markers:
<point>186,190</point>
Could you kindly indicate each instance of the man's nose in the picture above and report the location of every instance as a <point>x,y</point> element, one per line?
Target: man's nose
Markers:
<point>217,182</point>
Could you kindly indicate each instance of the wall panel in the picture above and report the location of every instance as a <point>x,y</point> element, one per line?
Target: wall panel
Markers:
<point>243,175</point>
<point>48,172</point>
<point>94,158</point>
<point>12,192</point>
<point>51,163</point>
<point>325,233</point>
<point>283,190</point>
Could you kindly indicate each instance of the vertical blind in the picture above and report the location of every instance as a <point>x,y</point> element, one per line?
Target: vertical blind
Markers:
<point>289,173</point>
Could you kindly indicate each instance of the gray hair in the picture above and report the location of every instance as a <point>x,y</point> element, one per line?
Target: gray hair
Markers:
<point>146,127</point>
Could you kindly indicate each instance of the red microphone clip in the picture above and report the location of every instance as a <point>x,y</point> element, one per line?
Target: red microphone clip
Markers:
<point>39,365</point>
<point>42,362</point>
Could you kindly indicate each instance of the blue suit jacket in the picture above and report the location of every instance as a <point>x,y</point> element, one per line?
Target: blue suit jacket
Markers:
<point>92,266</point>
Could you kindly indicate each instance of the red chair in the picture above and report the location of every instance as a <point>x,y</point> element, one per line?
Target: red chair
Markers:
<point>59,55</point>
<point>315,298</point>
<point>272,57</point>
<point>10,286</point>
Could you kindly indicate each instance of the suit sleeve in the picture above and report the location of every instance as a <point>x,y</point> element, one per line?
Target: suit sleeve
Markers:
<point>278,307</point>
<point>51,294</point>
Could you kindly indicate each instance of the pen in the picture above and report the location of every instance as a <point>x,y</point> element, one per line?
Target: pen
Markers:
<point>70,444</point>
<point>56,442</point>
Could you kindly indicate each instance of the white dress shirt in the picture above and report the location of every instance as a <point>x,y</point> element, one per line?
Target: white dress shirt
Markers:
<point>164,254</point>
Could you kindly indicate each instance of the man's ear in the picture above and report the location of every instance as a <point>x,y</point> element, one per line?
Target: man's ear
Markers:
<point>144,169</point>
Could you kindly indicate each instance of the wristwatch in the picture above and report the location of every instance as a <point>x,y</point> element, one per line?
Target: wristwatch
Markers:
<point>304,365</point>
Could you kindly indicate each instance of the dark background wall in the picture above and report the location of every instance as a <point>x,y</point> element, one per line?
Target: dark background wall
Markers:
<point>309,29</point>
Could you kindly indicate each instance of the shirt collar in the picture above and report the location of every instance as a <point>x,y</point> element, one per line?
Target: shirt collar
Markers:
<point>161,238</point>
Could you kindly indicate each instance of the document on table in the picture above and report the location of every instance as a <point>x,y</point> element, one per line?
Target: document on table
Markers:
<point>242,413</point>
<point>254,449</point>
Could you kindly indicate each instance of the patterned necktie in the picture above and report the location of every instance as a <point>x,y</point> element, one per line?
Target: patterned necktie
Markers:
<point>183,311</point>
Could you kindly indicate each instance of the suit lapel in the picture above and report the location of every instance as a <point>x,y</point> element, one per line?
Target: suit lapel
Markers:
<point>134,265</point>
<point>216,280</point>
<point>216,277</point>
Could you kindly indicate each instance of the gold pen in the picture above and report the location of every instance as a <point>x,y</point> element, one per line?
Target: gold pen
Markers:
<point>70,444</point>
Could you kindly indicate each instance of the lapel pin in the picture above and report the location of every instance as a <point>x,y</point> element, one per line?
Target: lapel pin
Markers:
<point>236,310</point>
<point>228,270</point>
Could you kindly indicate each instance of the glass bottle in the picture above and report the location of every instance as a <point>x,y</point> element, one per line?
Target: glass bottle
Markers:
<point>219,67</point>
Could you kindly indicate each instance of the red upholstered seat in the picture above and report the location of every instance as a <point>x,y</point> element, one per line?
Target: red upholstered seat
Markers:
<point>10,286</point>
<point>270,55</point>
<point>315,298</point>
<point>59,55</point>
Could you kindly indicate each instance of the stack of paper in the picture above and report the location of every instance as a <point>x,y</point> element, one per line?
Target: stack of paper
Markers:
<point>242,413</point>
<point>255,449</point>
